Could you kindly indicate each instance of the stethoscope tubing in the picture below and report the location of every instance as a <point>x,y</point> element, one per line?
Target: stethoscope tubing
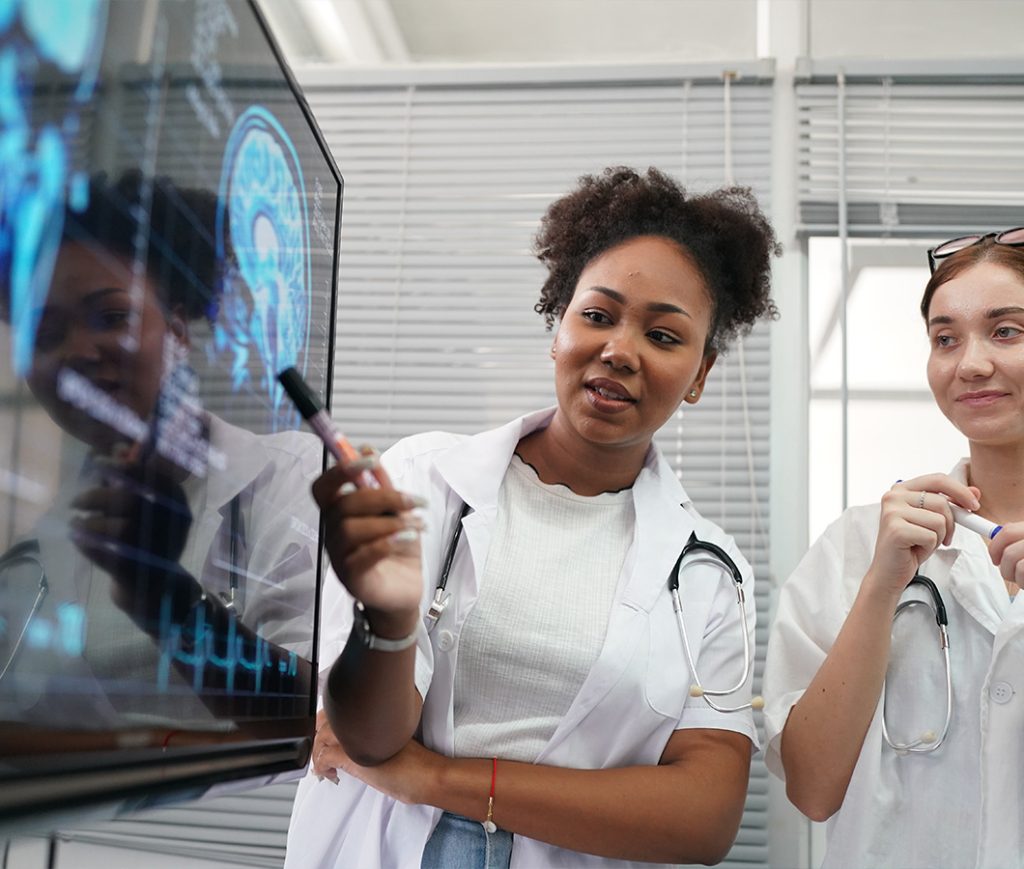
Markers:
<point>927,741</point>
<point>698,689</point>
<point>25,553</point>
<point>715,556</point>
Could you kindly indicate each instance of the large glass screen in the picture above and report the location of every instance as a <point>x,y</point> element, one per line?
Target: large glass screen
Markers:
<point>168,236</point>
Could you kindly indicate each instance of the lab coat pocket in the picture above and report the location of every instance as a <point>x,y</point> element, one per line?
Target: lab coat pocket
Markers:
<point>668,674</point>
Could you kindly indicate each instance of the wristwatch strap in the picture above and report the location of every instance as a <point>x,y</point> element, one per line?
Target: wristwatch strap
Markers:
<point>362,630</point>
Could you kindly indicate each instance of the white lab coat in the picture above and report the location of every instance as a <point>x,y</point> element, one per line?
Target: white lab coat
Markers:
<point>634,697</point>
<point>960,805</point>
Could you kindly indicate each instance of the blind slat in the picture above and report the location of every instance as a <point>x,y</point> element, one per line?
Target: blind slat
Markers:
<point>920,159</point>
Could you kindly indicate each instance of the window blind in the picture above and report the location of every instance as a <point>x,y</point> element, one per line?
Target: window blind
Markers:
<point>927,153</point>
<point>446,178</point>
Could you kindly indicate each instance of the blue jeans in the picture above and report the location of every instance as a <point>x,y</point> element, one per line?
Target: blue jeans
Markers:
<point>459,843</point>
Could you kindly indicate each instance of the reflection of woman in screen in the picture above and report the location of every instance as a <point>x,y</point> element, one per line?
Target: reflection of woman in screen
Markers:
<point>191,527</point>
<point>856,682</point>
<point>546,719</point>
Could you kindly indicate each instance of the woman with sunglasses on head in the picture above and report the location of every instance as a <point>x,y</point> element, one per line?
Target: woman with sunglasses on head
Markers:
<point>911,751</point>
<point>546,718</point>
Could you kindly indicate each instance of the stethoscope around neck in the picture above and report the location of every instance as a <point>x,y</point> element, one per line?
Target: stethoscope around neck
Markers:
<point>708,553</point>
<point>929,740</point>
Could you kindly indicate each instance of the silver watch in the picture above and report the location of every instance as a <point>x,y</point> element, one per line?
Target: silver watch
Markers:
<point>362,630</point>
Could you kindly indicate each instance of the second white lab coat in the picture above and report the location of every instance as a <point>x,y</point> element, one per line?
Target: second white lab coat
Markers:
<point>960,805</point>
<point>634,697</point>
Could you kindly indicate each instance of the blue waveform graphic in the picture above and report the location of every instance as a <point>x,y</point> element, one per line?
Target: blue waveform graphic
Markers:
<point>199,654</point>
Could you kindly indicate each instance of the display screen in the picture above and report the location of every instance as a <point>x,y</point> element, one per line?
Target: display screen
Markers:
<point>168,238</point>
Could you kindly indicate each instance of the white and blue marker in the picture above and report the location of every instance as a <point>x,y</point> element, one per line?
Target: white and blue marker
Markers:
<point>974,522</point>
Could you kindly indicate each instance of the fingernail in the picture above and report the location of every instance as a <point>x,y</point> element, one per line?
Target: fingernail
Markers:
<point>412,521</point>
<point>369,450</point>
<point>406,535</point>
<point>412,501</point>
<point>365,463</point>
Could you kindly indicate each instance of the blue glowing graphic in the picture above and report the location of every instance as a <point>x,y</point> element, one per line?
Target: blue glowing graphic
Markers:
<point>194,647</point>
<point>265,306</point>
<point>36,174</point>
<point>66,635</point>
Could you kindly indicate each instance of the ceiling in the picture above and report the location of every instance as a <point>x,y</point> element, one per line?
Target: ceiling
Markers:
<point>373,32</point>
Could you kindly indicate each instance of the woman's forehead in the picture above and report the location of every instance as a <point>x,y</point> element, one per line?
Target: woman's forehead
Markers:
<point>83,273</point>
<point>975,291</point>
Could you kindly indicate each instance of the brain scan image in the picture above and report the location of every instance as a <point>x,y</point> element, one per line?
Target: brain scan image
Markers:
<point>264,319</point>
<point>61,42</point>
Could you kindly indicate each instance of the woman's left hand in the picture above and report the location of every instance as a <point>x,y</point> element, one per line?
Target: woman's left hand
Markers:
<point>404,777</point>
<point>1007,552</point>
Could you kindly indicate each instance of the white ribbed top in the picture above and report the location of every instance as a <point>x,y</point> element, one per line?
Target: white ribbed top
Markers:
<point>541,615</point>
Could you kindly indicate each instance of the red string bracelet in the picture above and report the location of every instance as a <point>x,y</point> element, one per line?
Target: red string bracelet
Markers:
<point>489,824</point>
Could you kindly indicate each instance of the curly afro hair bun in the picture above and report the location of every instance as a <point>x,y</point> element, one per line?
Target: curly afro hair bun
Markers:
<point>725,233</point>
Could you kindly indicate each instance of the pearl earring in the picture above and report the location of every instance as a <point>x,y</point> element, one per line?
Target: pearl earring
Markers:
<point>693,393</point>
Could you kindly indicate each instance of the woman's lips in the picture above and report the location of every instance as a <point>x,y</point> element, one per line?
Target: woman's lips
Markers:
<point>980,399</point>
<point>608,396</point>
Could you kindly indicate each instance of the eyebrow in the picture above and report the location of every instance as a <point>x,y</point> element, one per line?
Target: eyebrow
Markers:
<point>88,299</point>
<point>992,314</point>
<point>657,307</point>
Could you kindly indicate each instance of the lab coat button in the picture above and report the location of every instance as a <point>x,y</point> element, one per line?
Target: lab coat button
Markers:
<point>446,641</point>
<point>1001,692</point>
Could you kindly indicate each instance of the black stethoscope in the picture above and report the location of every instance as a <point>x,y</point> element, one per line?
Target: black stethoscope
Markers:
<point>929,740</point>
<point>707,553</point>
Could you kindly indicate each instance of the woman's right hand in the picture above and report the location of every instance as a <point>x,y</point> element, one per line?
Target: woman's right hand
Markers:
<point>372,538</point>
<point>914,521</point>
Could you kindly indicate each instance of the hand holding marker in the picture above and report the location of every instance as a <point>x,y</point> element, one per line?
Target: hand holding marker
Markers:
<point>972,521</point>
<point>316,418</point>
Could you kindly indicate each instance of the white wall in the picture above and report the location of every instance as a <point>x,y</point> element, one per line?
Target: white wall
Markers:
<point>577,30</point>
<point>915,29</point>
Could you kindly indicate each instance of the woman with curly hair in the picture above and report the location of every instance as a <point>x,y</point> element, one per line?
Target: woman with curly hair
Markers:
<point>543,717</point>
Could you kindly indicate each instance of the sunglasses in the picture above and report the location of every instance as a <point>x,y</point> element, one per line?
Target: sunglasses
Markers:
<point>1010,237</point>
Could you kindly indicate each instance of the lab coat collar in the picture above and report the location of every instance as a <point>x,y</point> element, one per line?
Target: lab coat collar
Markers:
<point>474,468</point>
<point>664,523</point>
<point>245,458</point>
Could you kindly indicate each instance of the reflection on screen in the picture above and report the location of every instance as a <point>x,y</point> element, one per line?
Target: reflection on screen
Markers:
<point>167,245</point>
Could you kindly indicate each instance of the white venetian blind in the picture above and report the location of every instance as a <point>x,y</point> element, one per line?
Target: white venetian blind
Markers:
<point>925,153</point>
